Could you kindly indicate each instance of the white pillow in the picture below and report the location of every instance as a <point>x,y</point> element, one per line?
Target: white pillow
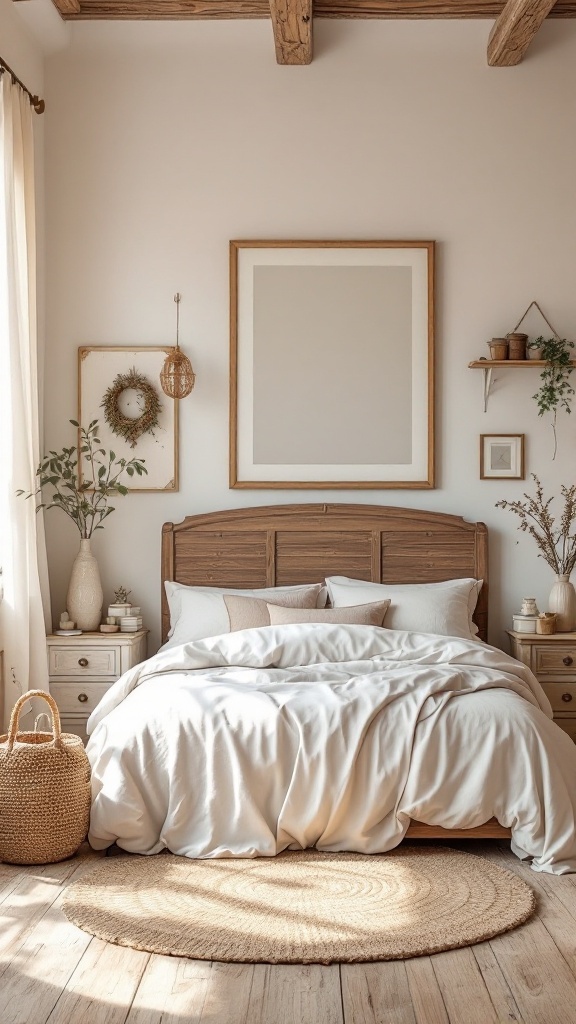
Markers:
<point>198,612</point>
<point>444,608</point>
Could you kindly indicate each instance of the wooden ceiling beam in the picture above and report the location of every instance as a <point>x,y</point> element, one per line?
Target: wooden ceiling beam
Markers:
<point>515,29</point>
<point>162,10</point>
<point>66,7</point>
<point>292,28</point>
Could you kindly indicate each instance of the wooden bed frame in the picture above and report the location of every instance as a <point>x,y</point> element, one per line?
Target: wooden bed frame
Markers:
<point>282,545</point>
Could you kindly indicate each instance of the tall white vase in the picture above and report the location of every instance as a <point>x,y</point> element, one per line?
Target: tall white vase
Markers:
<point>562,601</point>
<point>85,596</point>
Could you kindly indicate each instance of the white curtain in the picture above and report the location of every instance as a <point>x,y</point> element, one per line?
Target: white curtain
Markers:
<point>24,610</point>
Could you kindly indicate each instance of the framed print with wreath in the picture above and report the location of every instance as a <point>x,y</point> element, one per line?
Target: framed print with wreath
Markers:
<point>120,387</point>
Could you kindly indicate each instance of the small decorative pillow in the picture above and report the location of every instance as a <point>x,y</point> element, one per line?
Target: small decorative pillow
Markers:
<point>251,612</point>
<point>357,615</point>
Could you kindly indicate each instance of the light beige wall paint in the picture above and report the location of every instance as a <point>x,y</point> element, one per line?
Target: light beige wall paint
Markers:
<point>165,141</point>
<point>20,48</point>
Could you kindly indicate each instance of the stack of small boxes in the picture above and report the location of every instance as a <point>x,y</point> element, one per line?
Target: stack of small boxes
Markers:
<point>131,623</point>
<point>126,616</point>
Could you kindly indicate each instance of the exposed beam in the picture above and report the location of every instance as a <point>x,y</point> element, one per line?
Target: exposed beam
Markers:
<point>67,7</point>
<point>166,10</point>
<point>292,27</point>
<point>515,29</point>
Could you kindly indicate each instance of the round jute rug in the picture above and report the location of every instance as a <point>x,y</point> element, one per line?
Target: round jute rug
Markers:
<point>301,907</point>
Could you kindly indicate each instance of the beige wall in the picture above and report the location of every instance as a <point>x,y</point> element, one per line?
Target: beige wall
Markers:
<point>19,47</point>
<point>165,141</point>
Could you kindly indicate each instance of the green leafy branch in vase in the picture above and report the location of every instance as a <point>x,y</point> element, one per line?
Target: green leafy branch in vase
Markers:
<point>85,502</point>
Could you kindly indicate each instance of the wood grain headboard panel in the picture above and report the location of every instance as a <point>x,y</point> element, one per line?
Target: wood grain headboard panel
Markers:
<point>278,545</point>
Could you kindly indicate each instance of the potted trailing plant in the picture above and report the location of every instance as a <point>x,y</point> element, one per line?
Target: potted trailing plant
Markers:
<point>87,504</point>
<point>534,348</point>
<point>555,391</point>
<point>556,545</point>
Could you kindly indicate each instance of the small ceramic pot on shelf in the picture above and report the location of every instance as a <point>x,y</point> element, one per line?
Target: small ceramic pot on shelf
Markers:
<point>498,348</point>
<point>517,346</point>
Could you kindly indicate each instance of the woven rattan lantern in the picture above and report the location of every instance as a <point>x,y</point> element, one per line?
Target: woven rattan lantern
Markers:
<point>177,377</point>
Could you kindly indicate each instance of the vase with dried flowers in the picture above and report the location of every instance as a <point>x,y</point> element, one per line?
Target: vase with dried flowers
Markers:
<point>556,545</point>
<point>87,504</point>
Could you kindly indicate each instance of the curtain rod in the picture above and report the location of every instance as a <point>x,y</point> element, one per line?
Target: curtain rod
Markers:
<point>37,103</point>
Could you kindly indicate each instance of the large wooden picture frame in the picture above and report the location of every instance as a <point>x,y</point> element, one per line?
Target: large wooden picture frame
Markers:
<point>98,367</point>
<point>331,364</point>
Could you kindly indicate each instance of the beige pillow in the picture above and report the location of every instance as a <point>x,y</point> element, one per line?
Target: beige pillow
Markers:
<point>251,612</point>
<point>356,615</point>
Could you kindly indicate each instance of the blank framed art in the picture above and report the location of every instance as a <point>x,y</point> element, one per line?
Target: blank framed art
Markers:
<point>332,364</point>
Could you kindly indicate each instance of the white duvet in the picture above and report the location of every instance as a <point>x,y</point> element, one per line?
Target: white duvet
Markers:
<point>330,736</point>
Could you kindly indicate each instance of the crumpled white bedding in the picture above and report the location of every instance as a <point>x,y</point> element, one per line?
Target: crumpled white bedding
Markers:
<point>330,736</point>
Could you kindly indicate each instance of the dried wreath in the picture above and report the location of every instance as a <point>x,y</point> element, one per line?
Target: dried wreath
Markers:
<point>123,426</point>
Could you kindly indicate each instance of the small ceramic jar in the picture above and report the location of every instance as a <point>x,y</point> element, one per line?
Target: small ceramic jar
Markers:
<point>524,623</point>
<point>116,611</point>
<point>546,623</point>
<point>498,348</point>
<point>517,346</point>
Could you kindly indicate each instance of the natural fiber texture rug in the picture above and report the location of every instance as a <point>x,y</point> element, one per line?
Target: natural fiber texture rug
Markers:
<point>306,907</point>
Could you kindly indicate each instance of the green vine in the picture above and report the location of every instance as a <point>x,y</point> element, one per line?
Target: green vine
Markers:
<point>555,390</point>
<point>124,426</point>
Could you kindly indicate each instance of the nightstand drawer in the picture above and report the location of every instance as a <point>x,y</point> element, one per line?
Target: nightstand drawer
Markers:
<point>568,725</point>
<point>562,696</point>
<point>555,660</point>
<point>83,660</point>
<point>76,725</point>
<point>78,698</point>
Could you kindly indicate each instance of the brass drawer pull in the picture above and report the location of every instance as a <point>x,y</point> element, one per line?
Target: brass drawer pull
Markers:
<point>567,660</point>
<point>83,662</point>
<point>566,697</point>
<point>83,697</point>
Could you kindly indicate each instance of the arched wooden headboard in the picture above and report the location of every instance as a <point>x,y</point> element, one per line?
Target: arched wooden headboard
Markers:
<point>279,545</point>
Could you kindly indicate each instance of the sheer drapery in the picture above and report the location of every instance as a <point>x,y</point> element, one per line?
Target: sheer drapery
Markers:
<point>22,544</point>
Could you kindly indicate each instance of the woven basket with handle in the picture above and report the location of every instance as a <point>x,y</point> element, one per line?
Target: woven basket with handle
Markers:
<point>44,791</point>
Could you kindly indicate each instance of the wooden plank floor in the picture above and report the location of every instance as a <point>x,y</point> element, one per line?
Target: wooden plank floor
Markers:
<point>52,972</point>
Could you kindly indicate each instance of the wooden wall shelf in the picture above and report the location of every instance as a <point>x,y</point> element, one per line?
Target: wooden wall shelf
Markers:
<point>487,365</point>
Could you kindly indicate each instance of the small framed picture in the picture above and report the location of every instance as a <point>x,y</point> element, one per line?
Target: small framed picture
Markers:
<point>501,456</point>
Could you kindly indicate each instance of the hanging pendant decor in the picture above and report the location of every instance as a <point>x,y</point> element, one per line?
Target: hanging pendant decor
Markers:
<point>177,376</point>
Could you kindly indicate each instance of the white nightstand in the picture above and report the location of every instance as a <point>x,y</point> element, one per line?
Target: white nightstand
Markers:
<point>82,668</point>
<point>553,662</point>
